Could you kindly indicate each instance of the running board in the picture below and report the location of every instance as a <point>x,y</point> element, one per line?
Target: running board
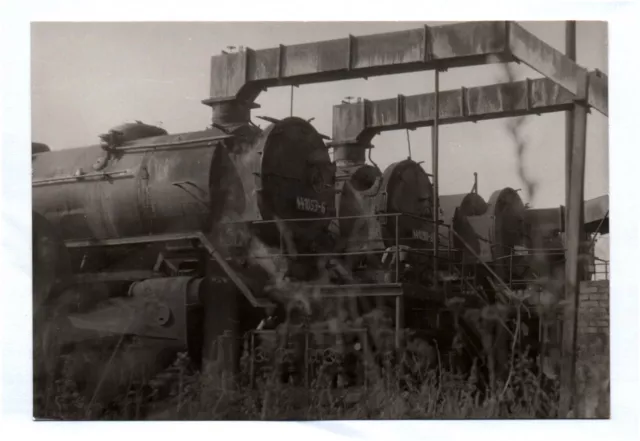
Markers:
<point>359,290</point>
<point>199,236</point>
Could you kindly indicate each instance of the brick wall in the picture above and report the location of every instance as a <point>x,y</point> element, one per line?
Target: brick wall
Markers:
<point>593,321</point>
<point>592,375</point>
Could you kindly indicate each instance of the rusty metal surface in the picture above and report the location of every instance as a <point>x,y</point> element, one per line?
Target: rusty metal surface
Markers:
<point>118,276</point>
<point>406,188</point>
<point>245,74</point>
<point>359,122</point>
<point>471,226</point>
<point>349,121</point>
<point>294,179</point>
<point>508,213</point>
<point>494,232</point>
<point>448,205</point>
<point>135,240</point>
<point>598,93</point>
<point>573,269</point>
<point>469,204</point>
<point>155,308</point>
<point>357,197</point>
<point>150,186</point>
<point>550,220</point>
<point>138,130</point>
<point>544,221</point>
<point>198,236</point>
<point>559,68</point>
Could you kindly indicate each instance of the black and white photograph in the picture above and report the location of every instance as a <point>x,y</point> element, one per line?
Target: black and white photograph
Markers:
<point>315,220</point>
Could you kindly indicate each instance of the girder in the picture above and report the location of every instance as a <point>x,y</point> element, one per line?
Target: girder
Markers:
<point>359,122</point>
<point>240,77</point>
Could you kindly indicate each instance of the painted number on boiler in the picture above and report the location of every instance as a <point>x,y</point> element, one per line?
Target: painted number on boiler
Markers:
<point>422,235</point>
<point>310,205</point>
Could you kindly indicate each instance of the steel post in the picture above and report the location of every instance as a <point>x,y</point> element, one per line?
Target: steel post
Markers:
<point>397,249</point>
<point>434,153</point>
<point>574,234</point>
<point>399,324</point>
<point>511,270</point>
<point>570,51</point>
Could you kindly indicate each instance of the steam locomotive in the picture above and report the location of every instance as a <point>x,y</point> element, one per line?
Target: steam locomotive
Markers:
<point>182,241</point>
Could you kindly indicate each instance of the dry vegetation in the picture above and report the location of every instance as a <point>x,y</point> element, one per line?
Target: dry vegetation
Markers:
<point>417,388</point>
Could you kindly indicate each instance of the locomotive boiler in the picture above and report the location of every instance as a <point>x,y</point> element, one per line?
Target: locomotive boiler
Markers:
<point>378,212</point>
<point>490,232</point>
<point>137,182</point>
<point>140,181</point>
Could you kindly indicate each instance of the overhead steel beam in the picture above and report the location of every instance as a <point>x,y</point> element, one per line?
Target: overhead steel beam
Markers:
<point>240,77</point>
<point>558,67</point>
<point>245,74</point>
<point>359,122</point>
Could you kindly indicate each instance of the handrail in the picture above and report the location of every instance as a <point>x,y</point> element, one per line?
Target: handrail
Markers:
<point>361,216</point>
<point>540,253</point>
<point>474,254</point>
<point>528,252</point>
<point>395,215</point>
<point>354,253</point>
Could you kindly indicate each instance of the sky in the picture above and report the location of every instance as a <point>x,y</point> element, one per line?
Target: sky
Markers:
<point>89,77</point>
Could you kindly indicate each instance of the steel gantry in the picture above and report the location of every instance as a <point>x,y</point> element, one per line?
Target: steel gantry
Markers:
<point>238,78</point>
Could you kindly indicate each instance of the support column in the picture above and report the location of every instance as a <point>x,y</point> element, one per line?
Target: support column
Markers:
<point>435,159</point>
<point>570,51</point>
<point>574,234</point>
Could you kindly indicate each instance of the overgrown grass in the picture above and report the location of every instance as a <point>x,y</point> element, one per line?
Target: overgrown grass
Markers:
<point>413,393</point>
